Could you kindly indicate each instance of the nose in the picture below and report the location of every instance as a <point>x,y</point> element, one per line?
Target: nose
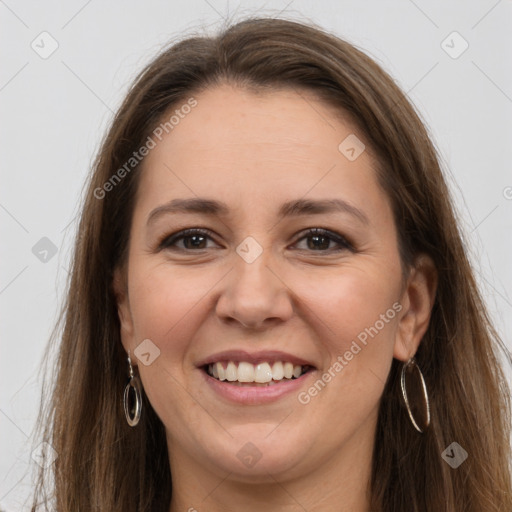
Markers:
<point>254,295</point>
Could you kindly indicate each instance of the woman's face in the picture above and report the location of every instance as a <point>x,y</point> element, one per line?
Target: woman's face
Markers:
<point>254,296</point>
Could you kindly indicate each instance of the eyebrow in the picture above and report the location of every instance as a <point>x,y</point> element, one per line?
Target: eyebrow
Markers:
<point>292,208</point>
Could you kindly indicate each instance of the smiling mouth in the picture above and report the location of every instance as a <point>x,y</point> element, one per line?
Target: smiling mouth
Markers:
<point>262,374</point>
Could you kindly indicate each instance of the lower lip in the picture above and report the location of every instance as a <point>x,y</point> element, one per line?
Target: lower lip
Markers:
<point>255,395</point>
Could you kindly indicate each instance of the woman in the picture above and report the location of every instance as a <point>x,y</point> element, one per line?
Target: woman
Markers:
<point>270,302</point>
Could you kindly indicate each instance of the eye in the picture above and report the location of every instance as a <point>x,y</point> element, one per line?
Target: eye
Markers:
<point>320,240</point>
<point>197,239</point>
<point>192,239</point>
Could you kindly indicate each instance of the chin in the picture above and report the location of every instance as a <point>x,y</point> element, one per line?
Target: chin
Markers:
<point>253,455</point>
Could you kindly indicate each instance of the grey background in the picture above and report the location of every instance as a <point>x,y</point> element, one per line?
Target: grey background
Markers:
<point>54,112</point>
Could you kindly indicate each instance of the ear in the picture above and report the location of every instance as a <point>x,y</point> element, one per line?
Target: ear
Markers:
<point>120,287</point>
<point>417,302</point>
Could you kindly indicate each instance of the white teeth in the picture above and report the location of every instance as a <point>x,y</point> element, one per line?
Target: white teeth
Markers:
<point>288,370</point>
<point>231,372</point>
<point>246,372</point>
<point>221,371</point>
<point>261,373</point>
<point>277,371</point>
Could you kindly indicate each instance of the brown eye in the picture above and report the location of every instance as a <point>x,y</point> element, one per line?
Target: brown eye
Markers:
<point>320,240</point>
<point>193,239</point>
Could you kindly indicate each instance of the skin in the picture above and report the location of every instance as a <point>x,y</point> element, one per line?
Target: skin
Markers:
<point>254,152</point>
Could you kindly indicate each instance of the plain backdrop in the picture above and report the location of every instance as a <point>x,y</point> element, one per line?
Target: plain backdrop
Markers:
<point>56,107</point>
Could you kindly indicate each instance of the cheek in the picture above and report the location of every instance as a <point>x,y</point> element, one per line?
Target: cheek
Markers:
<point>337,306</point>
<point>168,307</point>
<point>168,304</point>
<point>357,315</point>
<point>357,318</point>
<point>349,302</point>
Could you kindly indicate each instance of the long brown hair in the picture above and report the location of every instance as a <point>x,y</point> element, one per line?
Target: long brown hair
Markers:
<point>103,464</point>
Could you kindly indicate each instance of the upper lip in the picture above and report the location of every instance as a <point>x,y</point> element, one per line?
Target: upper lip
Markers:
<point>263,356</point>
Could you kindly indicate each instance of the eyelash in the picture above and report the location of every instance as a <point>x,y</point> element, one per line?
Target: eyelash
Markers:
<point>169,241</point>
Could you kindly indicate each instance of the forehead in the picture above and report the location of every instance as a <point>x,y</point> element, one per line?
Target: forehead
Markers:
<point>250,148</point>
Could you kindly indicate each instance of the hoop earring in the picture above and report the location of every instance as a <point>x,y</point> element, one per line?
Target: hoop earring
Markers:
<point>409,368</point>
<point>132,413</point>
